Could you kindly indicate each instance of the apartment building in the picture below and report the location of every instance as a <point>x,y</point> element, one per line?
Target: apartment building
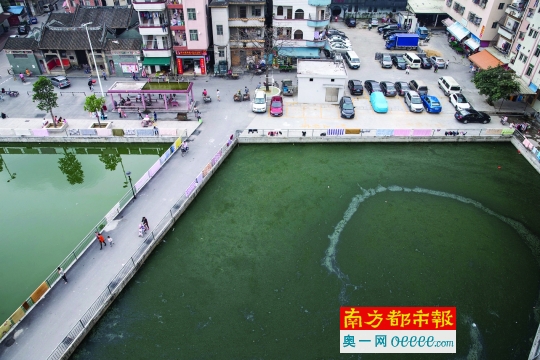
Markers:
<point>173,41</point>
<point>71,5</point>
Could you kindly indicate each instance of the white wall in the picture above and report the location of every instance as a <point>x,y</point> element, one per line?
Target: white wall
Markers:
<point>220,16</point>
<point>314,92</point>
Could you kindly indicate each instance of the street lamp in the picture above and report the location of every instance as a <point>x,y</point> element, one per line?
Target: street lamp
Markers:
<point>94,57</point>
<point>128,173</point>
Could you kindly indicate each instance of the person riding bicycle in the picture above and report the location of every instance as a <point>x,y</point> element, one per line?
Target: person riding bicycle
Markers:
<point>184,147</point>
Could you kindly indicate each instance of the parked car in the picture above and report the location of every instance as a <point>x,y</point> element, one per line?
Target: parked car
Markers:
<point>372,86</point>
<point>355,87</point>
<point>402,87</point>
<point>276,106</point>
<point>399,62</point>
<point>413,101</point>
<point>388,88</point>
<point>431,104</point>
<point>340,48</point>
<point>329,54</point>
<point>346,107</point>
<point>339,40</point>
<point>374,22</point>
<point>60,81</point>
<point>378,102</point>
<point>439,61</point>
<point>425,62</point>
<point>259,102</point>
<point>23,29</point>
<point>470,115</point>
<point>331,32</point>
<point>386,62</point>
<point>387,34</point>
<point>387,27</point>
<point>459,101</point>
<point>350,22</point>
<point>418,86</point>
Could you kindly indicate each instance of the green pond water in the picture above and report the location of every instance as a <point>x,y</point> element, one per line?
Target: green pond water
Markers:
<point>248,273</point>
<point>47,211</point>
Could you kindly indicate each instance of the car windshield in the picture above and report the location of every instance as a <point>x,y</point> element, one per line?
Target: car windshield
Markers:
<point>400,60</point>
<point>435,103</point>
<point>390,87</point>
<point>259,101</point>
<point>347,106</point>
<point>386,58</point>
<point>276,104</point>
<point>461,99</point>
<point>416,100</point>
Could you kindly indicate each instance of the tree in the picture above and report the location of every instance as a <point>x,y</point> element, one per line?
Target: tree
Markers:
<point>71,167</point>
<point>94,105</point>
<point>110,161</point>
<point>45,96</point>
<point>496,83</point>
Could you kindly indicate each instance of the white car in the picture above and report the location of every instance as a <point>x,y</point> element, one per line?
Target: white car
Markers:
<point>259,102</point>
<point>459,102</point>
<point>413,101</point>
<point>337,39</point>
<point>341,48</point>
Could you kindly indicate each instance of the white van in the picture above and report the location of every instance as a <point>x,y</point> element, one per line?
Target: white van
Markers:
<point>448,85</point>
<point>259,102</point>
<point>412,60</point>
<point>352,60</point>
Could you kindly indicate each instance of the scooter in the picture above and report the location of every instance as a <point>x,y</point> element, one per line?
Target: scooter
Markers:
<point>206,98</point>
<point>13,93</point>
<point>184,150</point>
<point>504,120</point>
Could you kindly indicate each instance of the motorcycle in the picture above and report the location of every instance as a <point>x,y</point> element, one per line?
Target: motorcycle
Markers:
<point>206,98</point>
<point>10,93</point>
<point>184,150</point>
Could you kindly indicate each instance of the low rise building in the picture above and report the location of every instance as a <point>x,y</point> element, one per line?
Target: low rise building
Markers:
<point>321,81</point>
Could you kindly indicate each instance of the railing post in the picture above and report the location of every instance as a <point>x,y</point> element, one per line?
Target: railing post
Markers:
<point>75,256</point>
<point>133,261</point>
<point>80,320</point>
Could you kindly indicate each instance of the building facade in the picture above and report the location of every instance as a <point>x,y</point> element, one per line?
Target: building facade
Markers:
<point>366,8</point>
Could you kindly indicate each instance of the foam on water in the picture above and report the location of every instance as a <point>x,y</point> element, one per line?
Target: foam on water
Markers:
<point>329,260</point>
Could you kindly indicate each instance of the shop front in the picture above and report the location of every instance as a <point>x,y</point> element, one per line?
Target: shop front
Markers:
<point>191,61</point>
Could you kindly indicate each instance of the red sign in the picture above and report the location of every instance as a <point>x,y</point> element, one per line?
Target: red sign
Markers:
<point>203,67</point>
<point>179,66</point>
<point>397,318</point>
<point>190,53</point>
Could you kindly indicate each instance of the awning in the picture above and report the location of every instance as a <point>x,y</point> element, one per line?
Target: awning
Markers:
<point>300,52</point>
<point>161,61</point>
<point>524,88</point>
<point>458,31</point>
<point>473,44</point>
<point>447,22</point>
<point>484,60</point>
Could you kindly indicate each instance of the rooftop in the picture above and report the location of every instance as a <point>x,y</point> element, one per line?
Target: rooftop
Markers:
<point>19,43</point>
<point>225,3</point>
<point>426,6</point>
<point>321,67</point>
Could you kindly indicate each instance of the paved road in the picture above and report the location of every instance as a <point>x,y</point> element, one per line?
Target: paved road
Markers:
<point>45,327</point>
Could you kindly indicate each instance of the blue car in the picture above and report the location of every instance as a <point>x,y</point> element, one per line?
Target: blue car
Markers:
<point>378,102</point>
<point>431,103</point>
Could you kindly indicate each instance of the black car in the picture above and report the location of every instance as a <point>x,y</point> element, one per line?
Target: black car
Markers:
<point>355,87</point>
<point>387,34</point>
<point>388,88</point>
<point>372,86</point>
<point>23,29</point>
<point>329,54</point>
<point>350,22</point>
<point>331,32</point>
<point>402,87</point>
<point>387,28</point>
<point>425,63</point>
<point>346,107</point>
<point>398,62</point>
<point>470,115</point>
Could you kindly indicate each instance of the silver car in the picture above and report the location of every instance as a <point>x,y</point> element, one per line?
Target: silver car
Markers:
<point>386,62</point>
<point>439,61</point>
<point>60,81</point>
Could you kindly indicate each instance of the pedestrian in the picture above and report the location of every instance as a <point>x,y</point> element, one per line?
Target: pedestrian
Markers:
<point>471,68</point>
<point>140,114</point>
<point>142,230</point>
<point>145,223</point>
<point>104,75</point>
<point>62,274</point>
<point>155,116</point>
<point>101,240</point>
<point>447,63</point>
<point>134,76</point>
<point>119,112</point>
<point>110,240</point>
<point>407,70</point>
<point>217,95</point>
<point>90,84</point>
<point>435,68</point>
<point>156,131</point>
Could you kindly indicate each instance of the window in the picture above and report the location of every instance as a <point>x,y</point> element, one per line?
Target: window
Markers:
<point>494,25</point>
<point>310,79</point>
<point>350,8</point>
<point>524,59</point>
<point>298,34</point>
<point>221,52</point>
<point>243,11</point>
<point>191,14</point>
<point>529,70</point>
<point>299,14</point>
<point>20,56</point>
<point>501,6</point>
<point>279,10</point>
<point>219,29</point>
<point>471,16</point>
<point>193,35</point>
<point>521,56</point>
<point>255,11</point>
<point>537,52</point>
<point>531,32</point>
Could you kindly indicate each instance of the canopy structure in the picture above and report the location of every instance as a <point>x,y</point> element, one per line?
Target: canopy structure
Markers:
<point>484,60</point>
<point>299,52</point>
<point>472,43</point>
<point>448,22</point>
<point>458,30</point>
<point>161,61</point>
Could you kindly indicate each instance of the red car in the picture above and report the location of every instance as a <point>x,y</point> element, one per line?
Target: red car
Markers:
<point>276,106</point>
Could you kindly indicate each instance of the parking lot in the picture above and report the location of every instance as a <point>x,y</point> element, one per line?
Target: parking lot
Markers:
<point>366,43</point>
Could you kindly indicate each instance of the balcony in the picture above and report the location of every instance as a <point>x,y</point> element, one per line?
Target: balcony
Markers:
<point>317,21</point>
<point>506,32</point>
<point>157,52</point>
<point>155,5</point>
<point>246,22</point>
<point>319,2</point>
<point>514,11</point>
<point>174,4</point>
<point>153,28</point>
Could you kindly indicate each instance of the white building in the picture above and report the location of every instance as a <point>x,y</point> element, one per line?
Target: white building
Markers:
<point>321,81</point>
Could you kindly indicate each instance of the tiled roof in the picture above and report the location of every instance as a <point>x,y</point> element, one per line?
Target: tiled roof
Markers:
<point>123,44</point>
<point>19,43</point>
<point>114,17</point>
<point>60,19</point>
<point>71,38</point>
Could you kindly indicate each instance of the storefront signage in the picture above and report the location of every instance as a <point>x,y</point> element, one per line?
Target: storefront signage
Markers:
<point>203,67</point>
<point>179,66</point>
<point>190,53</point>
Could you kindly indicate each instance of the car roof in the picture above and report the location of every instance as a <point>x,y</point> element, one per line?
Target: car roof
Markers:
<point>413,93</point>
<point>276,98</point>
<point>356,82</point>
<point>431,97</point>
<point>347,98</point>
<point>387,83</point>
<point>402,83</point>
<point>61,77</point>
<point>371,81</point>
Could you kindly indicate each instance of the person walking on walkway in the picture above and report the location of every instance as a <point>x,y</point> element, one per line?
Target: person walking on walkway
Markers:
<point>407,70</point>
<point>447,63</point>
<point>435,68</point>
<point>119,112</point>
<point>104,75</point>
<point>90,84</point>
<point>110,240</point>
<point>155,116</point>
<point>62,274</point>
<point>101,240</point>
<point>145,223</point>
<point>217,95</point>
<point>140,114</point>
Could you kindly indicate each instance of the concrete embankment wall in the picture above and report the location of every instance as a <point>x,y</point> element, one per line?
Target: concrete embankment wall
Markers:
<point>93,139</point>
<point>393,139</point>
